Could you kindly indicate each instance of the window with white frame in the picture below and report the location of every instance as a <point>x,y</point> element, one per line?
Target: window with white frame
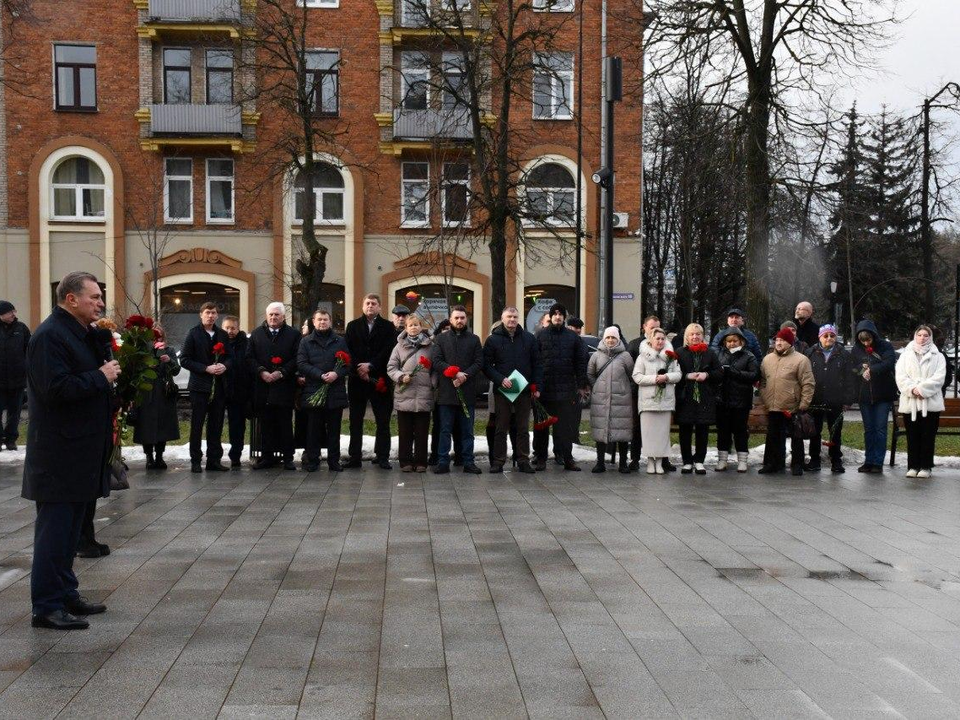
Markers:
<point>323,81</point>
<point>415,13</point>
<point>553,5</point>
<point>327,183</point>
<point>456,194</point>
<point>178,190</point>
<point>415,80</point>
<point>553,86</point>
<point>455,88</point>
<point>78,190</point>
<point>318,3</point>
<point>219,190</point>
<point>415,194</point>
<point>550,195</point>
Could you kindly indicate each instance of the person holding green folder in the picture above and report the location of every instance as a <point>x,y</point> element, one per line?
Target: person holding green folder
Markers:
<point>511,359</point>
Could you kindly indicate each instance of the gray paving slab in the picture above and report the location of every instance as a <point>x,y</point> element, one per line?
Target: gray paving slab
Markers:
<point>559,595</point>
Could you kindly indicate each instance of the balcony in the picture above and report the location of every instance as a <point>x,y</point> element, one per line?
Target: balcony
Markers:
<point>416,21</point>
<point>452,124</point>
<point>196,125</point>
<point>165,17</point>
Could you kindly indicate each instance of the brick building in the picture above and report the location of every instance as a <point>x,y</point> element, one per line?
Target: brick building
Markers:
<point>129,139</point>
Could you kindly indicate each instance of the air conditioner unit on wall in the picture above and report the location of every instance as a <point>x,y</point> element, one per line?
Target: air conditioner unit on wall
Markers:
<point>620,220</point>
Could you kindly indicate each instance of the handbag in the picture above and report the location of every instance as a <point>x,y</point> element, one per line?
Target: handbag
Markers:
<point>804,428</point>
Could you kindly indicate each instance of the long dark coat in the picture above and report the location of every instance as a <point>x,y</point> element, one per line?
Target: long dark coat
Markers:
<point>13,355</point>
<point>464,350</point>
<point>689,411</point>
<point>157,418</point>
<point>69,437</point>
<point>261,350</point>
<point>239,381</point>
<point>317,356</point>
<point>563,357</point>
<point>197,354</point>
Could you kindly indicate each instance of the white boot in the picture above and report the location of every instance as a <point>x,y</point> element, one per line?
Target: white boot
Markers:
<point>651,466</point>
<point>658,466</point>
<point>722,456</point>
<point>924,473</point>
<point>742,461</point>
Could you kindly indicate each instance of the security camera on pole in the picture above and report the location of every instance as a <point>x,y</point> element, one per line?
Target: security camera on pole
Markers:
<point>605,177</point>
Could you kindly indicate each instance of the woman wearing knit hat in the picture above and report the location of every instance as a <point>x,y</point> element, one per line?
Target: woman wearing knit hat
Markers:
<point>920,371</point>
<point>833,371</point>
<point>611,402</point>
<point>786,387</point>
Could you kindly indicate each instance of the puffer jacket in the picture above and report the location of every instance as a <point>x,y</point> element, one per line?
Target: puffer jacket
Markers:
<point>563,357</point>
<point>741,370</point>
<point>609,372</point>
<point>649,362</point>
<point>786,382</point>
<point>317,356</point>
<point>689,410</point>
<point>835,378</point>
<point>926,372</point>
<point>417,395</point>
<point>882,386</point>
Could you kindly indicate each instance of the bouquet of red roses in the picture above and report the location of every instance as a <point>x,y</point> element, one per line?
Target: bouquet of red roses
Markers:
<point>319,398</point>
<point>422,364</point>
<point>135,353</point>
<point>541,418</point>
<point>451,372</point>
<point>672,357</point>
<point>699,350</point>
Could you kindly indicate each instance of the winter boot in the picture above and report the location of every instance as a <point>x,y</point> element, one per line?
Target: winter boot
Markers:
<point>722,456</point>
<point>148,451</point>
<point>742,461</point>
<point>601,452</point>
<point>624,460</point>
<point>652,466</point>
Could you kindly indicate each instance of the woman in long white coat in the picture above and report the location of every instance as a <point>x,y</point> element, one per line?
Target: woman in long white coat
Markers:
<point>920,372</point>
<point>657,374</point>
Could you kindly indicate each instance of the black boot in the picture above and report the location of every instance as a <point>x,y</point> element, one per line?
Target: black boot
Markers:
<point>158,463</point>
<point>624,460</point>
<point>601,453</point>
<point>148,451</point>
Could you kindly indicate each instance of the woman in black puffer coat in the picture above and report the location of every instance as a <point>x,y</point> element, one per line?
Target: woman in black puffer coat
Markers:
<point>696,397</point>
<point>735,397</point>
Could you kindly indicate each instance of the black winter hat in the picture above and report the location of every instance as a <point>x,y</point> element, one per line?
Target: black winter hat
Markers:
<point>6,306</point>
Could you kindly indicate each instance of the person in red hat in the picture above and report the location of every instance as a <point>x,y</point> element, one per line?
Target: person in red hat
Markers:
<point>786,387</point>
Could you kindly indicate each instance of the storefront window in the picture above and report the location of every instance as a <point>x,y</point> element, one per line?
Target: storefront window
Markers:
<point>537,299</point>
<point>432,302</point>
<point>180,307</point>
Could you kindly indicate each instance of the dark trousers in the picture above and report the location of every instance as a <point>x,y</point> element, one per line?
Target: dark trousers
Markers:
<point>323,428</point>
<point>687,433</point>
<point>276,432</point>
<point>566,411</point>
<point>361,393</point>
<point>203,409</point>
<point>236,428</point>
<point>413,429</point>
<point>157,448</point>
<point>448,413</point>
<point>11,402</point>
<point>88,535</point>
<point>833,416</point>
<point>620,447</point>
<point>775,451</point>
<point>519,412</point>
<point>732,424</point>
<point>55,538</point>
<point>435,434</point>
<point>921,439</point>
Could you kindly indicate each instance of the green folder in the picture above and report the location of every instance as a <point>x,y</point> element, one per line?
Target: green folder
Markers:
<point>519,383</point>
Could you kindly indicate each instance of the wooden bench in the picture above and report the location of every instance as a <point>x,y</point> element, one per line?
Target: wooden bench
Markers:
<point>949,424</point>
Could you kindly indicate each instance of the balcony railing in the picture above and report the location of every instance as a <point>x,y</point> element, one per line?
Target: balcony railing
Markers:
<point>195,119</point>
<point>445,124</point>
<point>424,14</point>
<point>194,10</point>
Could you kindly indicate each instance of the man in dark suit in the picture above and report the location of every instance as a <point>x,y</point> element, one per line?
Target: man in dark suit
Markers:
<point>275,385</point>
<point>238,382</point>
<point>206,354</point>
<point>370,339</point>
<point>69,440</point>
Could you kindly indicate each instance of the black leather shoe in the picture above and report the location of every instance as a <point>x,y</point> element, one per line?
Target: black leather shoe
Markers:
<point>235,465</point>
<point>571,466</point>
<point>195,467</point>
<point>59,620</point>
<point>104,549</point>
<point>496,469</point>
<point>311,467</point>
<point>865,468</point>
<point>837,469</point>
<point>767,470</point>
<point>525,467</point>
<point>335,467</point>
<point>384,465</point>
<point>634,466</point>
<point>11,446</point>
<point>289,464</point>
<point>353,463</point>
<point>441,469</point>
<point>89,550</point>
<point>540,465</point>
<point>599,467</point>
<point>472,469</point>
<point>669,466</point>
<point>159,464</point>
<point>811,467</point>
<point>264,463</point>
<point>82,606</point>
<point>217,467</point>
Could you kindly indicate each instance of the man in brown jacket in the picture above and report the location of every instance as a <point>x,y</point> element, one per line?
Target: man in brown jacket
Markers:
<point>786,387</point>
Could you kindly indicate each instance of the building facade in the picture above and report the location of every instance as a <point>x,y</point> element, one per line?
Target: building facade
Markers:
<point>132,146</point>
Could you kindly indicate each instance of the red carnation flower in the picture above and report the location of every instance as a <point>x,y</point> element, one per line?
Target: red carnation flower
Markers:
<point>138,321</point>
<point>277,360</point>
<point>451,372</point>
<point>699,348</point>
<point>114,345</point>
<point>425,362</point>
<point>381,386</point>
<point>672,355</point>
<point>533,388</point>
<point>218,349</point>
<point>342,356</point>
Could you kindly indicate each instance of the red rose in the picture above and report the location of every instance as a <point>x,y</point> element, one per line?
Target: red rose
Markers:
<point>425,362</point>
<point>451,372</point>
<point>114,346</point>
<point>699,348</point>
<point>552,420</point>
<point>533,388</point>
<point>342,356</point>
<point>277,360</point>
<point>218,349</point>
<point>148,322</point>
<point>672,355</point>
<point>381,386</point>
<point>137,321</point>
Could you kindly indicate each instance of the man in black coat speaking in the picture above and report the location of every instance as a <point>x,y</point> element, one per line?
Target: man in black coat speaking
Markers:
<point>370,340</point>
<point>69,440</point>
<point>272,361</point>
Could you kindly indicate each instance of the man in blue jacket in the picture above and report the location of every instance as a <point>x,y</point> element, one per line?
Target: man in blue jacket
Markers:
<point>510,348</point>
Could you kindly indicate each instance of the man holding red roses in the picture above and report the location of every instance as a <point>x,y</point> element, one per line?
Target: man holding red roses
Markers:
<point>272,360</point>
<point>206,354</point>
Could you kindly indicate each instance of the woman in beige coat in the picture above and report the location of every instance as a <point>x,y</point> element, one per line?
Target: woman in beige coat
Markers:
<point>657,374</point>
<point>413,395</point>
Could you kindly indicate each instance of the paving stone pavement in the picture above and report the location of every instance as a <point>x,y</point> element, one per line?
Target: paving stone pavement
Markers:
<point>370,593</point>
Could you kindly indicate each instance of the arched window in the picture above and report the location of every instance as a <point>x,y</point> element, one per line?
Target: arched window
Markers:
<point>78,190</point>
<point>550,192</point>
<point>328,190</point>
